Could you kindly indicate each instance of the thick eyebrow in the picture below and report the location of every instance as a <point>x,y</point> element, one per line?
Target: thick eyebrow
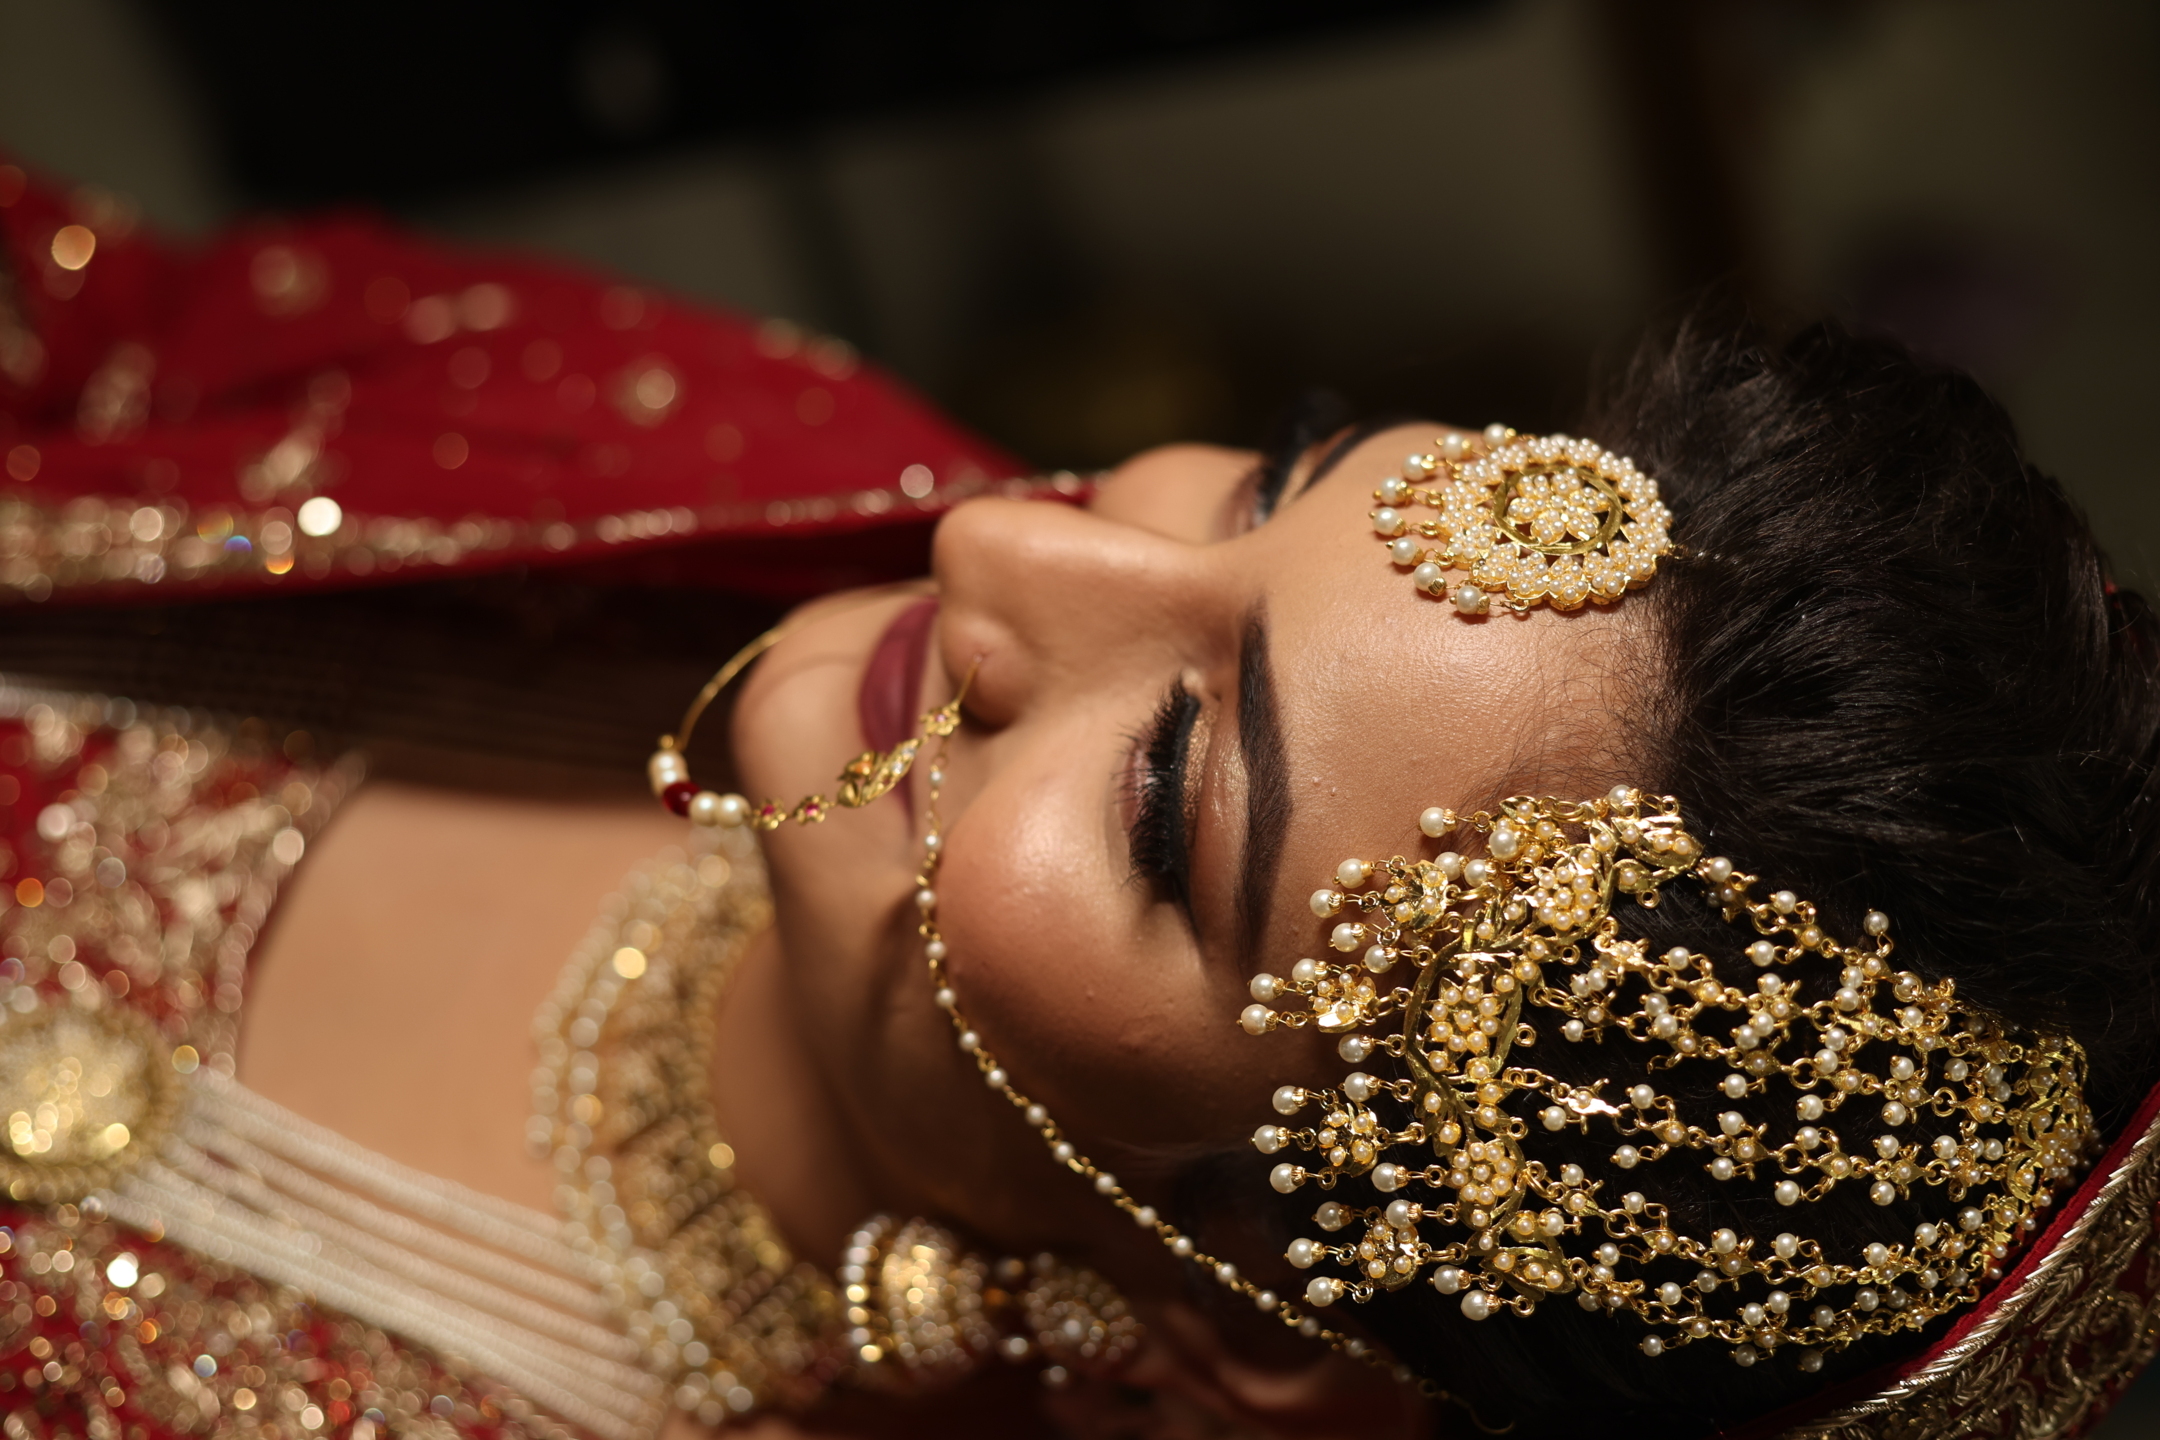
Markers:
<point>1342,445</point>
<point>1267,785</point>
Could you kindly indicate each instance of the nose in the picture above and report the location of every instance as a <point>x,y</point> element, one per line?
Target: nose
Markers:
<point>1050,599</point>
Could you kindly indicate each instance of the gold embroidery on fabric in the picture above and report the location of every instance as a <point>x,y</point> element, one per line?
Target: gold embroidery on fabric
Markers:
<point>161,858</point>
<point>192,1346</point>
<point>107,540</point>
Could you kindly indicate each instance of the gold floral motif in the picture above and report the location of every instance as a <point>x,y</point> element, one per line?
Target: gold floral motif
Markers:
<point>84,1092</point>
<point>1529,520</point>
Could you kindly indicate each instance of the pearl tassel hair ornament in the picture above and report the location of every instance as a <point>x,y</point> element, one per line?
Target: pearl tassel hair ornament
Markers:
<point>1851,1071</point>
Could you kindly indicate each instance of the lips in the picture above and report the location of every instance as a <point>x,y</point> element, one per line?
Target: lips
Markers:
<point>892,680</point>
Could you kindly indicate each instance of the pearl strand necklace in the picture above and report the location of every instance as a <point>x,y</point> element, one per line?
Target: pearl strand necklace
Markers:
<point>1062,1150</point>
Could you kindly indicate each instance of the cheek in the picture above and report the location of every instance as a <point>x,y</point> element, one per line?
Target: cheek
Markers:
<point>1091,996</point>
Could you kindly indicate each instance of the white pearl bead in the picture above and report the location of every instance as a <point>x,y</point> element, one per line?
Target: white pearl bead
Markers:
<point>926,899</point>
<point>1379,959</point>
<point>1289,1100</point>
<point>1286,1177</point>
<point>1144,1217</point>
<point>1787,1193</point>
<point>1325,902</point>
<point>1302,1253</point>
<point>1323,1291</point>
<point>1347,936</point>
<point>1269,1138</point>
<point>1352,873</point>
<point>1393,490</point>
<point>1037,1116</point>
<point>1226,1274</point>
<point>1105,1182</point>
<point>1063,1152</point>
<point>1477,1305</point>
<point>734,812</point>
<point>1182,1247</point>
<point>1305,972</point>
<point>1387,521</point>
<point>1447,1279</point>
<point>1264,986</point>
<point>1453,447</point>
<point>1256,1019</point>
<point>667,767</point>
<point>1434,822</point>
<point>935,950</point>
<point>705,808</point>
<point>1496,434</point>
<point>1359,1086</point>
<point>995,1078</point>
<point>945,998</point>
<point>1388,1178</point>
<point>1404,550</point>
<point>1354,1048</point>
<point>1470,600</point>
<point>1428,577</point>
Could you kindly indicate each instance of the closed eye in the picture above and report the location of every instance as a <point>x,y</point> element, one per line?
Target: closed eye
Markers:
<point>1160,837</point>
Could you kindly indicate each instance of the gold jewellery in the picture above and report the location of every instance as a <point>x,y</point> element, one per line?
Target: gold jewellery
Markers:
<point>1528,520</point>
<point>1833,1067</point>
<point>1801,1064</point>
<point>869,776</point>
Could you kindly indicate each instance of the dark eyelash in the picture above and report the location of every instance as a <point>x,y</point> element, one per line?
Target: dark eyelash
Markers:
<point>1158,841</point>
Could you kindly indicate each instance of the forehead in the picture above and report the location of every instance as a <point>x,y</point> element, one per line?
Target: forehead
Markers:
<point>1392,701</point>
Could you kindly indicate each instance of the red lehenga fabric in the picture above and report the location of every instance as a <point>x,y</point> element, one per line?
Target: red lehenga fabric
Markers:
<point>333,403</point>
<point>293,407</point>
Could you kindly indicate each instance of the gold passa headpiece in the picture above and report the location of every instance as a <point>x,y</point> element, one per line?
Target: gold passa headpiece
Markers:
<point>1853,1073</point>
<point>1528,519</point>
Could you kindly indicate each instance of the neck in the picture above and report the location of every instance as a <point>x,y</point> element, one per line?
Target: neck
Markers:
<point>775,1109</point>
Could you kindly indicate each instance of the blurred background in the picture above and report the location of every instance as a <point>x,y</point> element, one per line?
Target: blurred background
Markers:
<point>1090,227</point>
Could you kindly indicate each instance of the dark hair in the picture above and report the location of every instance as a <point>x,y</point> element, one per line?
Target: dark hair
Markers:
<point>1889,671</point>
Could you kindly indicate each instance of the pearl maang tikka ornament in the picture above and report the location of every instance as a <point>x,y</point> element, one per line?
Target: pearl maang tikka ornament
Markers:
<point>1526,520</point>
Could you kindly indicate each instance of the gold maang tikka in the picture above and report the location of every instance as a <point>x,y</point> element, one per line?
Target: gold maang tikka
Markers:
<point>1526,520</point>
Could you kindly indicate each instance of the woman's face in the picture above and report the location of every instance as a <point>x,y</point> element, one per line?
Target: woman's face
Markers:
<point>1186,712</point>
